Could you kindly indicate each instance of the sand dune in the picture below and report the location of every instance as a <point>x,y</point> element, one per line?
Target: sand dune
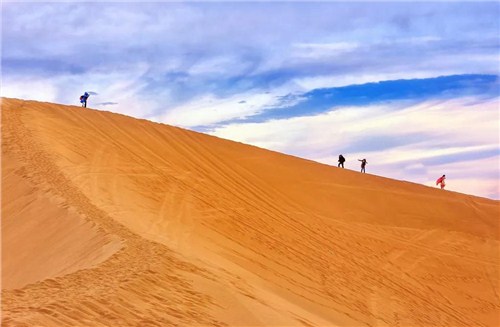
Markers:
<point>113,221</point>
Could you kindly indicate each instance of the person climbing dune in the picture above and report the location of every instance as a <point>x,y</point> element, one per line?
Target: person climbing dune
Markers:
<point>440,181</point>
<point>83,99</point>
<point>341,161</point>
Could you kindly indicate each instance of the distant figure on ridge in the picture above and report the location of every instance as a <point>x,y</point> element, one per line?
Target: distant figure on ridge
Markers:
<point>341,161</point>
<point>363,165</point>
<point>440,181</point>
<point>83,99</point>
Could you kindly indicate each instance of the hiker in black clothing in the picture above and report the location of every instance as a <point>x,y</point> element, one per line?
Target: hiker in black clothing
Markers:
<point>363,164</point>
<point>341,161</point>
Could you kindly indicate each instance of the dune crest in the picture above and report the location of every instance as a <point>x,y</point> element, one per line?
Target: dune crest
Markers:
<point>109,220</point>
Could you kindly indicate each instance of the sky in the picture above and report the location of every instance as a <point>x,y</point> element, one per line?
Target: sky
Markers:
<point>413,87</point>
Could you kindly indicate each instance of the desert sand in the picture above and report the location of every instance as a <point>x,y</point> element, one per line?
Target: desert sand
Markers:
<point>109,220</point>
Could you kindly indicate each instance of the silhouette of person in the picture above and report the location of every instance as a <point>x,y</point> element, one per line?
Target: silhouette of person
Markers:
<point>440,181</point>
<point>83,99</point>
<point>341,161</point>
<point>363,164</point>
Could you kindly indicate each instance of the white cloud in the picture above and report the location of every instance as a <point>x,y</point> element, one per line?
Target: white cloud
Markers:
<point>29,88</point>
<point>318,50</point>
<point>209,109</point>
<point>327,81</point>
<point>227,66</point>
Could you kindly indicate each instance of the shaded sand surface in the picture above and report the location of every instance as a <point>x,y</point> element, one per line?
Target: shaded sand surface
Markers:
<point>113,221</point>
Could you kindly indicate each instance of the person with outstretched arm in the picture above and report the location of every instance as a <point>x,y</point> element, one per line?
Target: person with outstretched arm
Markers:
<point>363,165</point>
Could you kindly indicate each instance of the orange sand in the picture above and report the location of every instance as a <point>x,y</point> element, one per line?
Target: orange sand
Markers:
<point>113,221</point>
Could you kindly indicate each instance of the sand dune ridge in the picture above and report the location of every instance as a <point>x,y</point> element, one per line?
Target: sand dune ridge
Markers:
<point>113,221</point>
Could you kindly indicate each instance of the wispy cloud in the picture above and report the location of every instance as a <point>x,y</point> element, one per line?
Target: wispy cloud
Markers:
<point>210,110</point>
<point>108,103</point>
<point>415,90</point>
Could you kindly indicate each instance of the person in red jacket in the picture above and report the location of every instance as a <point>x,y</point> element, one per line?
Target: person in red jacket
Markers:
<point>440,181</point>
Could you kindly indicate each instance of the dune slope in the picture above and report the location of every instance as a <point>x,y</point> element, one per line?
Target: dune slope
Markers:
<point>113,221</point>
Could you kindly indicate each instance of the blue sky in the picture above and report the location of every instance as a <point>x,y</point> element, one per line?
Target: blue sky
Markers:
<point>411,86</point>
